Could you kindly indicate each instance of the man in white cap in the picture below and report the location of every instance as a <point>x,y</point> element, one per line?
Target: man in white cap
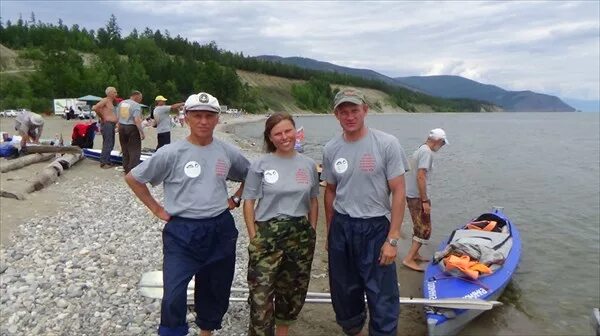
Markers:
<point>30,126</point>
<point>363,167</point>
<point>163,121</point>
<point>417,195</point>
<point>200,236</point>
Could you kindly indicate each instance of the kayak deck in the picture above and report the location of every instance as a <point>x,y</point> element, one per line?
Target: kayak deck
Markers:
<point>437,285</point>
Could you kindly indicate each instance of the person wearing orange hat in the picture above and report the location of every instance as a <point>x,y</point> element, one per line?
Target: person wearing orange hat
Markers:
<point>163,121</point>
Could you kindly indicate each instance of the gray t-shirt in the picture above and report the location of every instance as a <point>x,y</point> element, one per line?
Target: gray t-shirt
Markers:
<point>23,123</point>
<point>422,158</point>
<point>193,176</point>
<point>361,171</point>
<point>128,110</point>
<point>164,120</point>
<point>282,186</point>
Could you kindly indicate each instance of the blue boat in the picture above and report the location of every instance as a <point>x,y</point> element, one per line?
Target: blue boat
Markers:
<point>439,285</point>
<point>115,156</point>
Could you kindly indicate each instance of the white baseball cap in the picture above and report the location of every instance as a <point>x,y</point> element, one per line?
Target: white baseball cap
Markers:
<point>437,134</point>
<point>36,119</point>
<point>202,102</point>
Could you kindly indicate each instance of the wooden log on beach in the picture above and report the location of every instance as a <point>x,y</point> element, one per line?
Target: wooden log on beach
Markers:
<point>53,171</point>
<point>9,194</point>
<point>53,149</point>
<point>46,177</point>
<point>25,161</point>
<point>68,160</point>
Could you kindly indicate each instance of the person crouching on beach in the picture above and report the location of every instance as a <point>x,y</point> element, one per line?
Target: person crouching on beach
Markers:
<point>30,126</point>
<point>280,211</point>
<point>199,238</point>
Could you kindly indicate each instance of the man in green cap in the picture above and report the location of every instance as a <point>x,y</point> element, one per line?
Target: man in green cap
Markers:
<point>363,167</point>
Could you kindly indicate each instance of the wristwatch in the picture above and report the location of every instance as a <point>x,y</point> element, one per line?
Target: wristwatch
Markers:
<point>393,242</point>
<point>236,200</point>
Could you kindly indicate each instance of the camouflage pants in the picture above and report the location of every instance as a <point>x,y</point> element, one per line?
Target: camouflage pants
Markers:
<point>280,259</point>
<point>421,220</point>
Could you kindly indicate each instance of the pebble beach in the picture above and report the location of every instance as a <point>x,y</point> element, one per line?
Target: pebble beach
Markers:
<point>71,263</point>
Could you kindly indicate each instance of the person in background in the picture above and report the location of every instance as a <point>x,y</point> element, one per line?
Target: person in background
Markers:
<point>105,110</point>
<point>362,166</point>
<point>30,126</point>
<point>418,193</point>
<point>281,211</point>
<point>200,236</point>
<point>83,134</point>
<point>131,132</point>
<point>163,120</point>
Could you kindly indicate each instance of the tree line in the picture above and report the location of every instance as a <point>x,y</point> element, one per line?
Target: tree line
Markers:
<point>74,61</point>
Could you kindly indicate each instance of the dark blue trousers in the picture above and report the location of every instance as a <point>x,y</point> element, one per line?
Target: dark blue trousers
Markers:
<point>204,248</point>
<point>354,249</point>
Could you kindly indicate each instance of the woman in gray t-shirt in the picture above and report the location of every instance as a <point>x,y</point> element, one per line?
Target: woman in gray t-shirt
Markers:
<point>281,211</point>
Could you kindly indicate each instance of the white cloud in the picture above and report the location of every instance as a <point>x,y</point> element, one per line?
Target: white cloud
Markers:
<point>548,46</point>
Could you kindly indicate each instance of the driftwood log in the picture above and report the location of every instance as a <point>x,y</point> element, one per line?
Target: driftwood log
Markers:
<point>15,195</point>
<point>53,171</point>
<point>52,149</point>
<point>46,177</point>
<point>25,161</point>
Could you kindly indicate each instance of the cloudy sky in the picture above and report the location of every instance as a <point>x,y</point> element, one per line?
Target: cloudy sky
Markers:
<point>550,47</point>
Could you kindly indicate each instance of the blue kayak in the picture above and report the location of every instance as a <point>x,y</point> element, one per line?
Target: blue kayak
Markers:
<point>115,156</point>
<point>440,285</point>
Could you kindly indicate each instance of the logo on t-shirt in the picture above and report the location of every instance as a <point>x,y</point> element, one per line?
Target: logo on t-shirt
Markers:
<point>124,110</point>
<point>340,165</point>
<point>221,168</point>
<point>301,176</point>
<point>271,176</point>
<point>367,163</point>
<point>192,169</point>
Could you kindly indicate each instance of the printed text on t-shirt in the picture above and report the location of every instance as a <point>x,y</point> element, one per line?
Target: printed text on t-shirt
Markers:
<point>220,168</point>
<point>367,163</point>
<point>301,176</point>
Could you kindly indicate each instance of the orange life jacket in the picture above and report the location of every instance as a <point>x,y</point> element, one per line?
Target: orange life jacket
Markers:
<point>464,263</point>
<point>491,225</point>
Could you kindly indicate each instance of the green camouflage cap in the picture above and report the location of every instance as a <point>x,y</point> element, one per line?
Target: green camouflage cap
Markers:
<point>353,96</point>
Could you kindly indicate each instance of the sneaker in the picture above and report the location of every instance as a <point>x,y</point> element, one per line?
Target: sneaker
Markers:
<point>106,165</point>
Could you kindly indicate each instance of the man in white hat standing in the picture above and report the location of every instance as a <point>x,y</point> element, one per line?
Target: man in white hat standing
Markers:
<point>163,121</point>
<point>417,195</point>
<point>200,236</point>
<point>30,126</point>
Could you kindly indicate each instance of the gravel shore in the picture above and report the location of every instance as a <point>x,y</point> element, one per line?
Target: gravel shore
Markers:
<point>75,272</point>
<point>78,248</point>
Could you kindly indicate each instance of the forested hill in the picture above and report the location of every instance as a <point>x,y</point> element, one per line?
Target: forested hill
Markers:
<point>57,61</point>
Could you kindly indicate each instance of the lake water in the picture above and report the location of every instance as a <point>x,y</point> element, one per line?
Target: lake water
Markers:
<point>543,168</point>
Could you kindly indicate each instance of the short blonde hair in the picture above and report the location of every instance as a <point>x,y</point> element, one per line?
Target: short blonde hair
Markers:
<point>110,89</point>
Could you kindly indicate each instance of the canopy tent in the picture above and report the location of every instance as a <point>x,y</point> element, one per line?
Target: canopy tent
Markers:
<point>89,98</point>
